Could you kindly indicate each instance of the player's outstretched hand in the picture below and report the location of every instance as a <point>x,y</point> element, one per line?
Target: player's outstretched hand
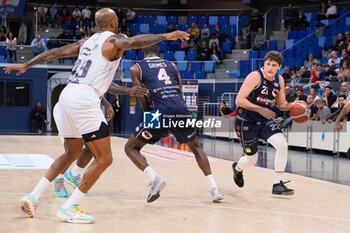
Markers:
<point>138,91</point>
<point>267,113</point>
<point>177,35</point>
<point>22,68</point>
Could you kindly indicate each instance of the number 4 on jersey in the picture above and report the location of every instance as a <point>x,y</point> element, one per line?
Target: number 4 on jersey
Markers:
<point>163,76</point>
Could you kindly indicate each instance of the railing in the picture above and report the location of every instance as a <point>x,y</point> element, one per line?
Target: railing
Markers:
<point>269,19</point>
<point>229,98</point>
<point>211,109</point>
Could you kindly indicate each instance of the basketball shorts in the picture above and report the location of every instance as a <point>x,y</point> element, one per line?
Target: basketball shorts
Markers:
<point>151,136</point>
<point>78,112</point>
<point>249,132</point>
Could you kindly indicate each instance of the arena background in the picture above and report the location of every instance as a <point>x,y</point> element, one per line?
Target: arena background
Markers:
<point>316,149</point>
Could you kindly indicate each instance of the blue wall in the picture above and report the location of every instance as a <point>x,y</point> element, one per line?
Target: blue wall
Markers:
<point>16,118</point>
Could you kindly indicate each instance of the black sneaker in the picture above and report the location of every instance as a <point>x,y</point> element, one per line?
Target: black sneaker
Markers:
<point>281,189</point>
<point>237,176</point>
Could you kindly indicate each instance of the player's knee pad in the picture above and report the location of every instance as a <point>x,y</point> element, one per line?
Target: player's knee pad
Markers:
<point>278,141</point>
<point>252,159</point>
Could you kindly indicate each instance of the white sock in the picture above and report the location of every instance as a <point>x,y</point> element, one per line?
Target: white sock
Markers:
<point>40,188</point>
<point>76,170</point>
<point>211,182</point>
<point>278,176</point>
<point>149,171</point>
<point>60,176</point>
<point>75,198</point>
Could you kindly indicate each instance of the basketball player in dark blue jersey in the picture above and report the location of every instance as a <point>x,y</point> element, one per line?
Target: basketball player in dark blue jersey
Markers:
<point>163,81</point>
<point>262,90</point>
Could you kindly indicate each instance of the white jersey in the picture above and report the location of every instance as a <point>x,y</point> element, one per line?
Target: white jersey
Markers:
<point>92,68</point>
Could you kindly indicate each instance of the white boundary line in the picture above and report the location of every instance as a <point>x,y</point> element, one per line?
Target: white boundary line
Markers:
<point>210,206</point>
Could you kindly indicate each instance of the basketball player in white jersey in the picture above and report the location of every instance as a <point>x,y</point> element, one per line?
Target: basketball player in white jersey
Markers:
<point>73,176</point>
<point>78,115</point>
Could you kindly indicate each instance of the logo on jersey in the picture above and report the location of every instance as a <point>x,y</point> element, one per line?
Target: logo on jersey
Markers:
<point>151,120</point>
<point>146,135</point>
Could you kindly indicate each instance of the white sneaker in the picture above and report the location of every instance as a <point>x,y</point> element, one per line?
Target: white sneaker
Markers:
<point>156,186</point>
<point>217,195</point>
<point>74,214</point>
<point>29,205</point>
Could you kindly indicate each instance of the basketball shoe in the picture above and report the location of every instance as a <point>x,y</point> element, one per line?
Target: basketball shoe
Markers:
<point>73,181</point>
<point>29,204</point>
<point>237,176</point>
<point>281,189</point>
<point>156,186</point>
<point>217,195</point>
<point>60,189</point>
<point>74,214</point>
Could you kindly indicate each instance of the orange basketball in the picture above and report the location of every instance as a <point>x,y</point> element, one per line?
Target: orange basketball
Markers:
<point>299,112</point>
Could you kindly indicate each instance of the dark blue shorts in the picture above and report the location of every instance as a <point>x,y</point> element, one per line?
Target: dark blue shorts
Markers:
<point>249,132</point>
<point>151,136</point>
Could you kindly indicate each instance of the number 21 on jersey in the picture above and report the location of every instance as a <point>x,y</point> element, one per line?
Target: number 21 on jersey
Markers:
<point>163,76</point>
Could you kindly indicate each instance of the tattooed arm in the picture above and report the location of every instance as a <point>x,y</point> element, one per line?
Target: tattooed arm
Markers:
<point>146,40</point>
<point>70,50</point>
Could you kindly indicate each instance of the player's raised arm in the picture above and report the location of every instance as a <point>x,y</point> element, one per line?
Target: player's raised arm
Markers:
<point>70,50</point>
<point>135,77</point>
<point>146,40</point>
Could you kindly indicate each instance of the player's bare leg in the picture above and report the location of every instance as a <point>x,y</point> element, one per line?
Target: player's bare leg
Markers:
<point>203,163</point>
<point>73,150</point>
<point>132,149</point>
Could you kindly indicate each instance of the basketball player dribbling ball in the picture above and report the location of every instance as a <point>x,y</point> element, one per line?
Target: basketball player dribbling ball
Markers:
<point>261,90</point>
<point>163,81</point>
<point>78,115</point>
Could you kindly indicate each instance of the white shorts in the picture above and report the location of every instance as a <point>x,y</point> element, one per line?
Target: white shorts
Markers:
<point>78,112</point>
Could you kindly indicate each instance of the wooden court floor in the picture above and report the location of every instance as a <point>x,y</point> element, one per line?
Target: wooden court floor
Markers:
<point>118,200</point>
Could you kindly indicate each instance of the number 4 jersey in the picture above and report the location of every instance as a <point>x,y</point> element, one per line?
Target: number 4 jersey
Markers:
<point>161,79</point>
<point>92,68</point>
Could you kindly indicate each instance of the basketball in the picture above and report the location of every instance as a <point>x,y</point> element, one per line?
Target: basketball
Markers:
<point>299,111</point>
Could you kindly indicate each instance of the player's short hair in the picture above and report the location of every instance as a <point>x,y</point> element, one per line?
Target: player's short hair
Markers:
<point>151,49</point>
<point>274,56</point>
